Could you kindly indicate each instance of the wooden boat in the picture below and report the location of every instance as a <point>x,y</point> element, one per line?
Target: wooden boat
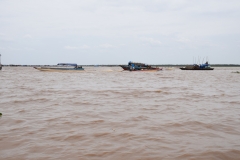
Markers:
<point>62,67</point>
<point>135,66</point>
<point>202,67</point>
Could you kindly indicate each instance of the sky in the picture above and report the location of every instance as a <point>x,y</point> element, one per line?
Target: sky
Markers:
<point>90,32</point>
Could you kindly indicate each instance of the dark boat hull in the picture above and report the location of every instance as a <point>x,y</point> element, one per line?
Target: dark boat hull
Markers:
<point>199,69</point>
<point>127,68</point>
<point>152,69</point>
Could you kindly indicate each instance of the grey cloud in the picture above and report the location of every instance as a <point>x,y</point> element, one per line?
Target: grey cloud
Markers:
<point>49,26</point>
<point>151,41</point>
<point>27,36</point>
<point>106,45</point>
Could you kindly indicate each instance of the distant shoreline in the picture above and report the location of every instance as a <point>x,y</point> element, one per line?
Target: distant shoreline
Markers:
<point>116,65</point>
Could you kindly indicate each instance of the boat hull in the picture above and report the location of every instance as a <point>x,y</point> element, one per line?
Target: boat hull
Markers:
<point>144,70</point>
<point>58,69</point>
<point>127,68</point>
<point>198,69</point>
<point>147,70</point>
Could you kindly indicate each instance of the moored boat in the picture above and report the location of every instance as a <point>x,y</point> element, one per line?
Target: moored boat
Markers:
<point>135,66</point>
<point>62,67</point>
<point>204,66</point>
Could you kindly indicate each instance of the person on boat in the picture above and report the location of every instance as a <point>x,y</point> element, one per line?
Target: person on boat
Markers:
<point>206,63</point>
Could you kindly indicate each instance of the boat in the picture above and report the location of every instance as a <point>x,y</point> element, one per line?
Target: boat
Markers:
<point>204,66</point>
<point>62,67</point>
<point>136,66</point>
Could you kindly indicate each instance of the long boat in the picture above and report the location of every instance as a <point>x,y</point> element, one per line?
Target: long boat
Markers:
<point>136,66</point>
<point>62,67</point>
<point>201,67</point>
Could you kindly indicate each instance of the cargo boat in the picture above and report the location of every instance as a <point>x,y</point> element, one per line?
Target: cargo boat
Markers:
<point>62,67</point>
<point>204,66</point>
<point>136,66</point>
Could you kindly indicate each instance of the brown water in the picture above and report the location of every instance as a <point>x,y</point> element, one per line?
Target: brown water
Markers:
<point>103,113</point>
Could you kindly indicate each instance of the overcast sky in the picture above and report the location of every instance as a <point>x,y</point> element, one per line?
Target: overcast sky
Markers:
<point>117,31</point>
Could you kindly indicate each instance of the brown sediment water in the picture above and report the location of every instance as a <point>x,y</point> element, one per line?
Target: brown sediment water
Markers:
<point>103,113</point>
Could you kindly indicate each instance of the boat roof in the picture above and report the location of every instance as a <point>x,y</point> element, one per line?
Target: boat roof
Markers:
<point>137,63</point>
<point>68,64</point>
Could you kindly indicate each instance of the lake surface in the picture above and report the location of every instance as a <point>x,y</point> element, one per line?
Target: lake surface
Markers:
<point>104,113</point>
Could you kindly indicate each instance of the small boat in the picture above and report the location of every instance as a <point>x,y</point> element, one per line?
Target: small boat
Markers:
<point>62,67</point>
<point>135,66</point>
<point>204,66</point>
